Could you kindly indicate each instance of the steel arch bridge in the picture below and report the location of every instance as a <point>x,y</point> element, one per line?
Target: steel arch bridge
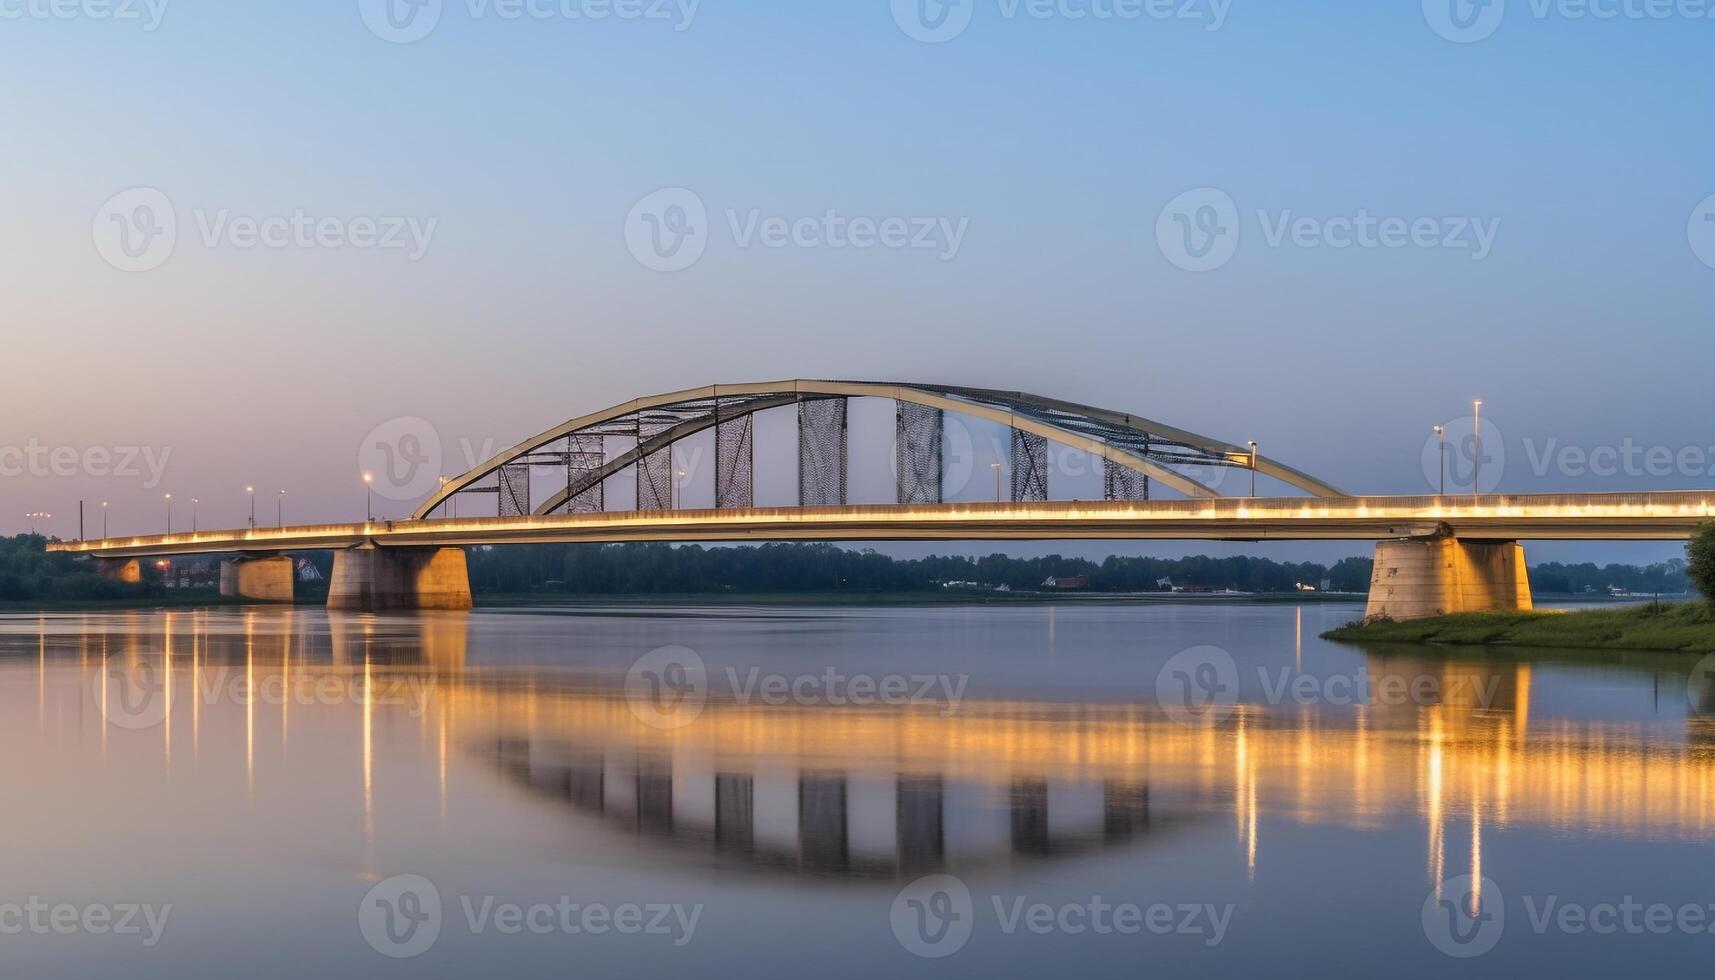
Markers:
<point>1134,451</point>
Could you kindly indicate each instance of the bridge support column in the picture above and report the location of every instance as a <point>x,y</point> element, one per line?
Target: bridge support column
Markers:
<point>126,570</point>
<point>265,579</point>
<point>1422,577</point>
<point>372,579</point>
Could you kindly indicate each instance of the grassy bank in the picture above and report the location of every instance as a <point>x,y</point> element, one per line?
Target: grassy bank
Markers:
<point>1685,626</point>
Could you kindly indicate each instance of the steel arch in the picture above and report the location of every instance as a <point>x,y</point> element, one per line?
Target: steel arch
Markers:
<point>1136,443</point>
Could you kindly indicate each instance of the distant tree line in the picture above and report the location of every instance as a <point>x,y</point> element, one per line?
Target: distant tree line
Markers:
<point>642,569</point>
<point>1666,577</point>
<point>28,573</point>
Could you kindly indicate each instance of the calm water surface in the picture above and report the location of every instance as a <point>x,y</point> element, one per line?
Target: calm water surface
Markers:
<point>568,798</point>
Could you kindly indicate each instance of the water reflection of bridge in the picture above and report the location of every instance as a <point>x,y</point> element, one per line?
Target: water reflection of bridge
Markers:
<point>828,821</point>
<point>893,791</point>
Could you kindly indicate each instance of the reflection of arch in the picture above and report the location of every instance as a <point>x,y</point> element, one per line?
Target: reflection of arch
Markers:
<point>934,821</point>
<point>1127,443</point>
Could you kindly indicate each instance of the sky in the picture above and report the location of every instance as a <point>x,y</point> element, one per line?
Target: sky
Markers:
<point>238,239</point>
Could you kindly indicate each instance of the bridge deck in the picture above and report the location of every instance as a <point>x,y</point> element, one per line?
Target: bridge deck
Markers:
<point>1536,517</point>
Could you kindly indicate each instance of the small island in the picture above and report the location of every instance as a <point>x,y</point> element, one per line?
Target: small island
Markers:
<point>1681,627</point>
<point>1687,627</point>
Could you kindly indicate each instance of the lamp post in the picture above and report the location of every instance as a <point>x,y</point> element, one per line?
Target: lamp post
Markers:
<point>280,509</point>
<point>252,492</point>
<point>1441,454</point>
<point>996,468</point>
<point>169,513</point>
<point>678,478</point>
<point>194,502</point>
<point>1477,432</point>
<point>369,498</point>
<point>104,520</point>
<point>1253,466</point>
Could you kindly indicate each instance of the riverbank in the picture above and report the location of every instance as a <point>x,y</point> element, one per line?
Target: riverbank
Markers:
<point>1687,627</point>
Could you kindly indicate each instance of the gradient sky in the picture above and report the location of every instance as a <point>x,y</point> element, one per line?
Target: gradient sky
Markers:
<point>1059,140</point>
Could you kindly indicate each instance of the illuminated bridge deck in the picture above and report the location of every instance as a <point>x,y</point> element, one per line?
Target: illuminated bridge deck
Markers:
<point>1537,517</point>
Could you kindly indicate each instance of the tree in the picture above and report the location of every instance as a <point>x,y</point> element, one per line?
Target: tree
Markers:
<point>1700,560</point>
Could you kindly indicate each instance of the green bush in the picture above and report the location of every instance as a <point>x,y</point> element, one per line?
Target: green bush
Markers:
<point>1700,561</point>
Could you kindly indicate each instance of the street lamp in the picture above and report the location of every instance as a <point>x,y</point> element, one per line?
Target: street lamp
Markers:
<point>678,478</point>
<point>369,498</point>
<point>169,513</point>
<point>104,520</point>
<point>194,502</point>
<point>252,492</point>
<point>1477,464</point>
<point>1441,454</point>
<point>1253,466</point>
<point>280,509</point>
<point>996,468</point>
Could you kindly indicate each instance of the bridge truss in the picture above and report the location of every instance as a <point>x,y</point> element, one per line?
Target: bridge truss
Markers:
<point>639,436</point>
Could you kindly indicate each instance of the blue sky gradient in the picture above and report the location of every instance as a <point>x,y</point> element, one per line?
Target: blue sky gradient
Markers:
<point>1059,141</point>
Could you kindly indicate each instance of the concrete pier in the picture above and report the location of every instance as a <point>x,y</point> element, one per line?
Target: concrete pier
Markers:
<point>263,578</point>
<point>1422,577</point>
<point>374,579</point>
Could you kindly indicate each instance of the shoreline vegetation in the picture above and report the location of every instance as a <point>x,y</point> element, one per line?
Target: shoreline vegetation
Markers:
<point>1675,627</point>
<point>788,573</point>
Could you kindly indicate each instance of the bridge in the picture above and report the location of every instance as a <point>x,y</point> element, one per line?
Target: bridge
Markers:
<point>1436,553</point>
